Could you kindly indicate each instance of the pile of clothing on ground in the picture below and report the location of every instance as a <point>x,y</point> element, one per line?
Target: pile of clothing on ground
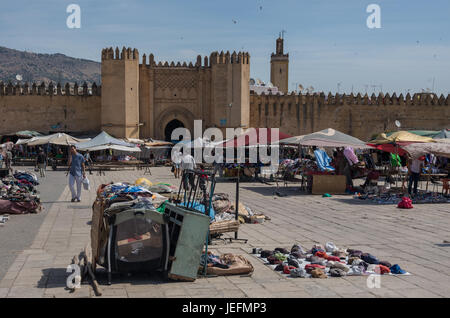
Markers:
<point>326,261</point>
<point>225,264</point>
<point>159,187</point>
<point>18,194</point>
<point>395,198</point>
<point>225,210</point>
<point>129,195</point>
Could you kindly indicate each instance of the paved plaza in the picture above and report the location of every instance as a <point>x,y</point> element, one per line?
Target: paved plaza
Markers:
<point>412,238</point>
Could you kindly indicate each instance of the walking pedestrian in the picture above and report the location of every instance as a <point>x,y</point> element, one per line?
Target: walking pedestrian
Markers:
<point>187,165</point>
<point>176,163</point>
<point>88,161</point>
<point>76,173</point>
<point>41,162</point>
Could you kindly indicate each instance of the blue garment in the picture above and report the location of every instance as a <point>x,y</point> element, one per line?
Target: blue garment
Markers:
<point>322,160</point>
<point>75,166</point>
<point>395,269</point>
<point>134,189</point>
<point>201,208</point>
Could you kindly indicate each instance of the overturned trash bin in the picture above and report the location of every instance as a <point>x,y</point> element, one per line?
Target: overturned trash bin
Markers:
<point>131,240</point>
<point>188,229</point>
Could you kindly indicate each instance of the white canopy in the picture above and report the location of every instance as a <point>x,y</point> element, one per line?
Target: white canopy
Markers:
<point>24,141</point>
<point>327,138</point>
<point>55,139</point>
<point>419,149</point>
<point>104,141</point>
<point>115,147</point>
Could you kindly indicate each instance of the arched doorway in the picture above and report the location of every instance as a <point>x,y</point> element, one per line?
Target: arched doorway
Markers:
<point>171,126</point>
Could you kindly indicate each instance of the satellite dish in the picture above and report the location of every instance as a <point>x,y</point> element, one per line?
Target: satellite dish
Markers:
<point>252,81</point>
<point>398,124</point>
<point>18,77</point>
<point>258,81</point>
<point>270,84</point>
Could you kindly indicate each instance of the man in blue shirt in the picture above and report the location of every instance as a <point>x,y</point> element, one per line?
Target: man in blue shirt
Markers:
<point>76,173</point>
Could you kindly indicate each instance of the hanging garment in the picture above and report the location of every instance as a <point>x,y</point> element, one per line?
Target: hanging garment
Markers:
<point>323,160</point>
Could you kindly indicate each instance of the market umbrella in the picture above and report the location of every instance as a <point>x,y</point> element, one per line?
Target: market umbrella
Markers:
<point>423,133</point>
<point>56,139</point>
<point>329,138</point>
<point>395,142</point>
<point>443,134</point>
<point>24,141</point>
<point>255,136</point>
<point>27,134</point>
<point>157,143</point>
<point>292,141</point>
<point>399,137</point>
<point>417,150</point>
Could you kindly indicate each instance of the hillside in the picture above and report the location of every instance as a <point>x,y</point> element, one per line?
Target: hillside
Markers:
<point>35,67</point>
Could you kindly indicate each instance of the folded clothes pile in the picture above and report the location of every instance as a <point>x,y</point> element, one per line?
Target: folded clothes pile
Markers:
<point>18,194</point>
<point>323,261</point>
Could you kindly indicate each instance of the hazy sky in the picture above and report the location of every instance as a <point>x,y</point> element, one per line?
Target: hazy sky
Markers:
<point>328,41</point>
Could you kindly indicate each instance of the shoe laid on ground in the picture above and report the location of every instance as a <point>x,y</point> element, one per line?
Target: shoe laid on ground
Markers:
<point>73,200</point>
<point>77,200</point>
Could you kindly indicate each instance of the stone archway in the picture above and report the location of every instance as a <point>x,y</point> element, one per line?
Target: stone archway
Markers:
<point>171,126</point>
<point>177,115</point>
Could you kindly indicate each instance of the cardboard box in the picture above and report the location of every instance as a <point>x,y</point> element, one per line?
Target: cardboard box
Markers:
<point>331,184</point>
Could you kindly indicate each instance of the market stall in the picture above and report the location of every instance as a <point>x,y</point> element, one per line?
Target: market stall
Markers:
<point>248,141</point>
<point>319,174</point>
<point>431,154</point>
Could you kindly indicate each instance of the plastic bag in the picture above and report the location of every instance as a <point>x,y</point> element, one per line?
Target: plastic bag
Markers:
<point>86,185</point>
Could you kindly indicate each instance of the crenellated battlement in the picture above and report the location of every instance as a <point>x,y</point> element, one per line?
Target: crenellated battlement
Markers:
<point>422,99</point>
<point>153,64</point>
<point>227,58</point>
<point>49,89</point>
<point>116,54</point>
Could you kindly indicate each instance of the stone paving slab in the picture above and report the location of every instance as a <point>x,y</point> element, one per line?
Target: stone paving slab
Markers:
<point>411,238</point>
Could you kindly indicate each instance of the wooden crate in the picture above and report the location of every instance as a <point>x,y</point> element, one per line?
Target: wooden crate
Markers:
<point>331,184</point>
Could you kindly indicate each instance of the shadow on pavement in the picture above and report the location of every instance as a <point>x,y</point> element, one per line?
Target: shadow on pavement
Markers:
<point>274,191</point>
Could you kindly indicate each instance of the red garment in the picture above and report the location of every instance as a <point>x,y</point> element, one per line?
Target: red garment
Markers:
<point>327,257</point>
<point>321,254</point>
<point>405,203</point>
<point>287,269</point>
<point>312,266</point>
<point>381,269</point>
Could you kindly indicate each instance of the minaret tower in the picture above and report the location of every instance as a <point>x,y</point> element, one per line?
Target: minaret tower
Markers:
<point>279,67</point>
